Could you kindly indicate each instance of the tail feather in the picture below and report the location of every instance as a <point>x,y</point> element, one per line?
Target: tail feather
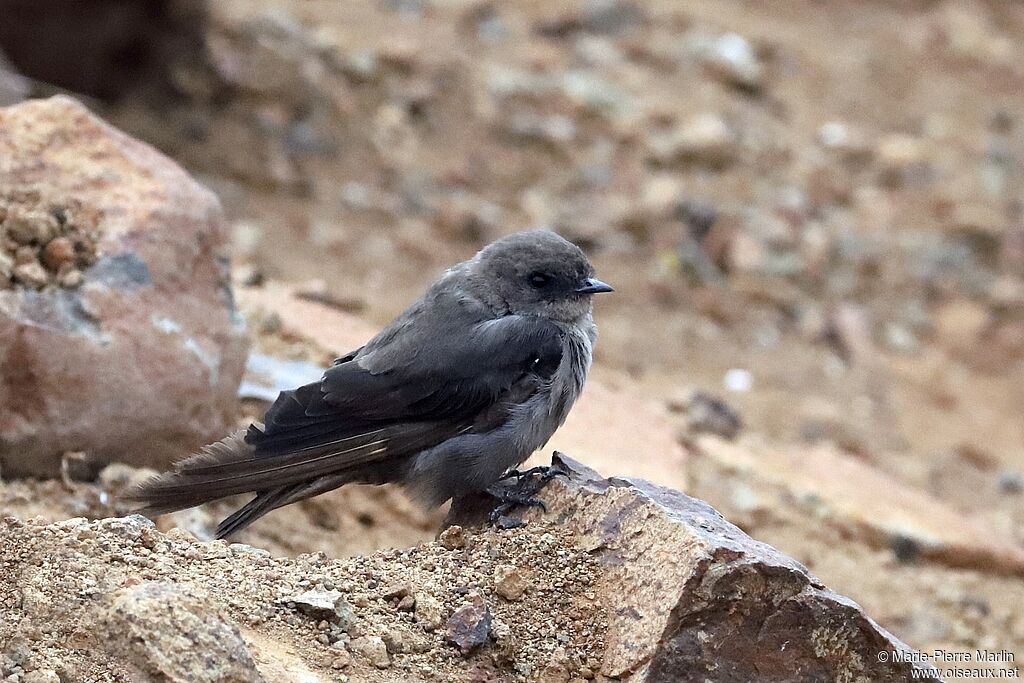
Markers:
<point>231,466</point>
<point>264,502</point>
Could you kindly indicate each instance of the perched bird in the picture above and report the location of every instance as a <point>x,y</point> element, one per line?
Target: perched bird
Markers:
<point>446,400</point>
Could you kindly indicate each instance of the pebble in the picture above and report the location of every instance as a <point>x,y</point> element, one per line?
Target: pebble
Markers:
<point>57,252</point>
<point>453,538</point>
<point>70,278</point>
<point>731,58</point>
<point>902,159</point>
<point>510,582</point>
<point>6,265</point>
<point>322,604</point>
<point>470,625</point>
<point>373,649</point>
<point>428,612</point>
<point>707,414</point>
<point>397,592</point>
<point>31,275</point>
<point>29,228</point>
<point>705,139</point>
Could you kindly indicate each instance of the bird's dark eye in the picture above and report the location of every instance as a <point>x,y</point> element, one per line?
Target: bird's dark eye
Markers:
<point>539,280</point>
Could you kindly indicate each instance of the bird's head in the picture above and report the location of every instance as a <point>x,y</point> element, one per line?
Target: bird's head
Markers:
<point>536,273</point>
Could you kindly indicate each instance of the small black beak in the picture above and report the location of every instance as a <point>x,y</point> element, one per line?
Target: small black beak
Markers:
<point>593,286</point>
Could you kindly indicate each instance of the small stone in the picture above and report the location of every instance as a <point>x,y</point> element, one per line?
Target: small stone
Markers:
<point>23,255</point>
<point>6,265</point>
<point>31,228</point>
<point>510,582</point>
<point>453,538</point>
<point>707,414</point>
<point>731,58</point>
<point>31,275</point>
<point>401,640</point>
<point>373,649</point>
<point>901,159</point>
<point>70,278</point>
<point>321,604</point>
<point>342,660</point>
<point>397,592</point>
<point>470,625</point>
<point>429,612</point>
<point>118,476</point>
<point>705,139</point>
<point>57,252</point>
<point>407,604</point>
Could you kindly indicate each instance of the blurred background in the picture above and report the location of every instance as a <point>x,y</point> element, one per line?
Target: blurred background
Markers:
<point>812,213</point>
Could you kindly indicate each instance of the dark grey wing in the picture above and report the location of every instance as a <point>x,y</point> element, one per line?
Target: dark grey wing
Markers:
<point>447,376</point>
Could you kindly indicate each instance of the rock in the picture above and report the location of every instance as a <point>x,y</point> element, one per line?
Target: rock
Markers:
<point>373,649</point>
<point>469,626</point>
<point>31,275</point>
<point>120,477</point>
<point>400,640</point>
<point>840,137</point>
<point>703,140</point>
<point>970,32</point>
<point>57,252</point>
<point>429,612</point>
<point>510,582</point>
<point>902,160</point>
<point>709,414</point>
<point>174,633</point>
<point>730,58</point>
<point>324,604</point>
<point>139,362</point>
<point>453,538</point>
<point>690,596</point>
<point>397,592</point>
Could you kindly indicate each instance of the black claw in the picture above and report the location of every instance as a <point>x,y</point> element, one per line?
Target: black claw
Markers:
<point>522,493</point>
<point>544,473</point>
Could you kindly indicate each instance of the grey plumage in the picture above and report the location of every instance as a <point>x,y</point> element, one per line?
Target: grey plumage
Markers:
<point>463,386</point>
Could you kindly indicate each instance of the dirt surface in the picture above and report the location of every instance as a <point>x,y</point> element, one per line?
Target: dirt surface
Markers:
<point>393,620</point>
<point>810,211</point>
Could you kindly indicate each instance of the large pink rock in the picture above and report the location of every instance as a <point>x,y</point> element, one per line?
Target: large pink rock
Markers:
<point>138,358</point>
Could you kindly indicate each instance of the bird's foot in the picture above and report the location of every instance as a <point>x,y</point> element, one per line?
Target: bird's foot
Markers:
<point>523,493</point>
<point>545,473</point>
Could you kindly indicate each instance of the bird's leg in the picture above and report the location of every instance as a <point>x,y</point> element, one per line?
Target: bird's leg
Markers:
<point>521,494</point>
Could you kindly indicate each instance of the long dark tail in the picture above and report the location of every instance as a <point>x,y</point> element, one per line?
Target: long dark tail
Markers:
<point>302,452</point>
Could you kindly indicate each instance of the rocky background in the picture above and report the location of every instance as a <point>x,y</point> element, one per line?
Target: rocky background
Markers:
<point>811,212</point>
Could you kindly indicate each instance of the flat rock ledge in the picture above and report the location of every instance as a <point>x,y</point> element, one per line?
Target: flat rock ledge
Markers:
<point>619,580</point>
